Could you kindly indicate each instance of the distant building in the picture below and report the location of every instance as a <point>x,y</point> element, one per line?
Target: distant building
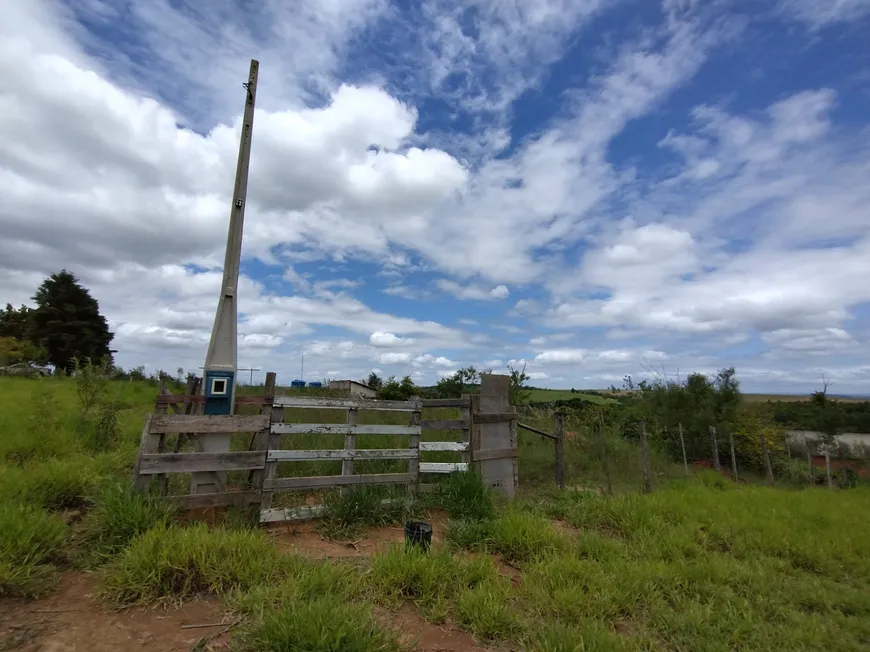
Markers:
<point>354,388</point>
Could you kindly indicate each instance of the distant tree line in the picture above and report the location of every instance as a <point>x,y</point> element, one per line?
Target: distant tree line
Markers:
<point>65,326</point>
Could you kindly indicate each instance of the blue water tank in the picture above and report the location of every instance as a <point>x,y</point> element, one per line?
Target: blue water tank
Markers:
<point>297,383</point>
<point>315,383</point>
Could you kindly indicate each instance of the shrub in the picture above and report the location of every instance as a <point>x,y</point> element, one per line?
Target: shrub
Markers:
<point>30,541</point>
<point>120,515</point>
<point>174,563</point>
<point>321,625</point>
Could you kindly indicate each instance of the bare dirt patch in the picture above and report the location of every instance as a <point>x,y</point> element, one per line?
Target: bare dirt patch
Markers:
<point>69,619</point>
<point>445,637</point>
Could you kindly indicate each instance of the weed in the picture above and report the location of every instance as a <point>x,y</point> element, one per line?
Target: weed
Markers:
<point>120,515</point>
<point>469,535</point>
<point>521,536</point>
<point>346,515</point>
<point>30,541</point>
<point>321,625</point>
<point>58,483</point>
<point>464,496</point>
<point>174,563</point>
<point>486,612</point>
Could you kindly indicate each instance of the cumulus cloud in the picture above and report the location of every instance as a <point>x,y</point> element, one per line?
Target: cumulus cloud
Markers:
<point>380,339</point>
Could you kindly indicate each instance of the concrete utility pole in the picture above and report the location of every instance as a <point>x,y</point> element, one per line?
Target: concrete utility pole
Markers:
<point>220,370</point>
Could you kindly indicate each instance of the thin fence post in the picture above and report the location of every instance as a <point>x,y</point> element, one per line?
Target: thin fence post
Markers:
<point>683,446</point>
<point>733,455</point>
<point>560,449</point>
<point>273,442</point>
<point>260,440</point>
<point>349,445</point>
<point>715,447</point>
<point>644,452</point>
<point>414,446</point>
<point>767,468</point>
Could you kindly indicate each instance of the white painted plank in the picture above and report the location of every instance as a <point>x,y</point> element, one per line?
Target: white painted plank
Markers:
<point>365,454</point>
<point>346,403</point>
<point>458,446</point>
<point>341,429</point>
<point>442,467</point>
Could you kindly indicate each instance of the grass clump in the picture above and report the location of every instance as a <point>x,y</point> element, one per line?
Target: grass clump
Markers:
<point>469,535</point>
<point>174,563</point>
<point>120,515</point>
<point>321,625</point>
<point>485,610</point>
<point>521,537</point>
<point>347,515</point>
<point>588,636</point>
<point>30,543</point>
<point>58,483</point>
<point>464,496</point>
<point>429,579</point>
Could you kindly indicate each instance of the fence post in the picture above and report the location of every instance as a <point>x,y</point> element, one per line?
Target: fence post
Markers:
<point>683,446</point>
<point>644,452</point>
<point>414,446</point>
<point>273,443</point>
<point>560,449</point>
<point>828,467</point>
<point>715,446</point>
<point>733,456</point>
<point>162,480</point>
<point>465,414</point>
<point>767,468</point>
<point>349,445</point>
<point>260,441</point>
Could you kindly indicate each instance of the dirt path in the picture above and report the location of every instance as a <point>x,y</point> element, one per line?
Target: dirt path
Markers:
<point>70,620</point>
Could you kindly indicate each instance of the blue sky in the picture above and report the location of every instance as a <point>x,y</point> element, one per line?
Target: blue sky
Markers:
<point>589,188</point>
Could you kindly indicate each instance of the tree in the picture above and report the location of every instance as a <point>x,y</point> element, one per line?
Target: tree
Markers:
<point>16,323</point>
<point>454,386</point>
<point>519,393</point>
<point>14,351</point>
<point>374,381</point>
<point>394,390</point>
<point>67,323</point>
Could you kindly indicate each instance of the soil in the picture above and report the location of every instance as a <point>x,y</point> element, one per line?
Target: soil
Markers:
<point>430,638</point>
<point>70,620</point>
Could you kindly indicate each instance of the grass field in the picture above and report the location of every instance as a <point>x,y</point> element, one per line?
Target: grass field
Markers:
<point>700,564</point>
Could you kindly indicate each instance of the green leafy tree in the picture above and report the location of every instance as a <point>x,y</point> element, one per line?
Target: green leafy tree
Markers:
<point>454,386</point>
<point>374,381</point>
<point>16,323</point>
<point>67,323</point>
<point>519,393</point>
<point>395,390</point>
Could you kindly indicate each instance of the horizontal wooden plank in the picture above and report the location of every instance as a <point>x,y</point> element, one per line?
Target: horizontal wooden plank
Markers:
<point>459,446</point>
<point>341,429</point>
<point>182,399</point>
<point>225,499</point>
<point>366,454</point>
<point>280,515</point>
<point>442,467</point>
<point>205,424</point>
<point>495,417</point>
<point>195,462</point>
<point>446,402</point>
<point>494,454</point>
<point>537,431</point>
<point>445,424</point>
<point>314,481</point>
<point>346,403</point>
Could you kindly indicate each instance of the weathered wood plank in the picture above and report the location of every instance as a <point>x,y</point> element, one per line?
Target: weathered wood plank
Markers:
<point>197,462</point>
<point>350,442</point>
<point>346,404</point>
<point>368,454</point>
<point>458,446</point>
<point>445,424</point>
<point>494,454</point>
<point>223,499</point>
<point>205,424</point>
<point>495,417</point>
<point>147,445</point>
<point>442,467</point>
<point>315,481</point>
<point>184,399</point>
<point>537,431</point>
<point>445,402</point>
<point>280,515</point>
<point>341,429</point>
<point>271,470</point>
<point>414,462</point>
<point>260,440</point>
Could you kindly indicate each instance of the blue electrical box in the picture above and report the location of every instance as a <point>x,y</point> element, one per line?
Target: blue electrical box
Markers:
<point>218,392</point>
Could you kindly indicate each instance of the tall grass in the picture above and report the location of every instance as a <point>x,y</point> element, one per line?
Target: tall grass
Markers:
<point>30,545</point>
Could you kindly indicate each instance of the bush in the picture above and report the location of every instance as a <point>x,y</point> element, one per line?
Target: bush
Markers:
<point>120,515</point>
<point>174,563</point>
<point>30,541</point>
<point>795,472</point>
<point>321,625</point>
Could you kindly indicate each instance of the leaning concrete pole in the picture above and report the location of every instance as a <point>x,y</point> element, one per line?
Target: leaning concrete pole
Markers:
<point>220,370</point>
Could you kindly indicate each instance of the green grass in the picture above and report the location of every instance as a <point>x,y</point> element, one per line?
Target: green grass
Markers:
<point>30,545</point>
<point>547,395</point>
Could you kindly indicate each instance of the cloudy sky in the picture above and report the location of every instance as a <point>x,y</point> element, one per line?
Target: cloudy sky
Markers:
<point>592,188</point>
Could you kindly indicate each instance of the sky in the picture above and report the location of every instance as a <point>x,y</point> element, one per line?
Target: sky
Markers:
<point>584,188</point>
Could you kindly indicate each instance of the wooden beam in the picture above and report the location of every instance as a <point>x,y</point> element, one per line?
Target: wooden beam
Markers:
<point>445,402</point>
<point>205,424</point>
<point>442,467</point>
<point>346,404</point>
<point>458,446</point>
<point>224,499</point>
<point>445,424</point>
<point>369,454</point>
<point>537,431</point>
<point>341,429</point>
<point>320,481</point>
<point>495,454</point>
<point>197,462</point>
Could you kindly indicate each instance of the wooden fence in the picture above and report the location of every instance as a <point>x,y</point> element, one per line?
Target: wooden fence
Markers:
<point>487,441</point>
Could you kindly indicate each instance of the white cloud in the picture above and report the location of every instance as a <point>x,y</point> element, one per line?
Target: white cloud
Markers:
<point>572,356</point>
<point>818,14</point>
<point>380,339</point>
<point>472,292</point>
<point>499,292</point>
<point>429,360</point>
<point>394,358</point>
